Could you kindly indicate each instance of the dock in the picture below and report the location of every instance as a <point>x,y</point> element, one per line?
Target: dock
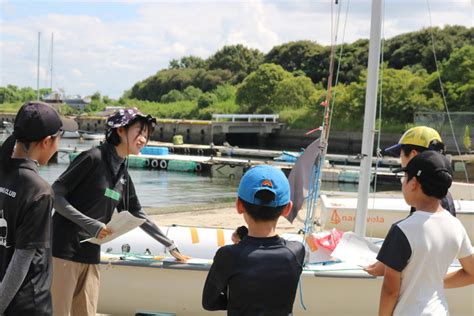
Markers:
<point>234,168</point>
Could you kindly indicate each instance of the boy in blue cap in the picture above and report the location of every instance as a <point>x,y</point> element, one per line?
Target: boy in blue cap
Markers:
<point>259,275</point>
<point>419,249</point>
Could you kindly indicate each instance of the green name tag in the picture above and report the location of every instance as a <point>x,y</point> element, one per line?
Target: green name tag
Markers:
<point>114,195</point>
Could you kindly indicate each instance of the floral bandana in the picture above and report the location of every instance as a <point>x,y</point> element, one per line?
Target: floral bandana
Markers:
<point>124,117</point>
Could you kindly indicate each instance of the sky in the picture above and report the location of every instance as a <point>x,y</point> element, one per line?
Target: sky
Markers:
<point>108,46</point>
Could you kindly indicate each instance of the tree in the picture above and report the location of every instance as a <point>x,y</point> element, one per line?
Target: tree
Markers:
<point>457,75</point>
<point>294,92</point>
<point>206,100</point>
<point>172,96</point>
<point>187,62</point>
<point>236,58</point>
<point>256,93</point>
<point>416,47</point>
<point>224,92</point>
<point>8,95</point>
<point>192,93</point>
<point>293,56</point>
<point>96,96</point>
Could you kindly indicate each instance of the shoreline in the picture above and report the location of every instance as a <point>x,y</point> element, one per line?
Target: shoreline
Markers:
<point>220,215</point>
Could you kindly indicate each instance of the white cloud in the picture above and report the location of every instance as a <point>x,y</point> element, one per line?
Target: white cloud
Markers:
<point>76,72</point>
<point>111,54</point>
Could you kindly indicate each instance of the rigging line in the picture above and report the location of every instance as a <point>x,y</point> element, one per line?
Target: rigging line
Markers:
<point>442,89</point>
<point>336,82</point>
<point>315,182</point>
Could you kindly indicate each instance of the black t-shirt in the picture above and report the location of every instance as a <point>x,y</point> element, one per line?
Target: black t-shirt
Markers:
<point>26,201</point>
<point>258,277</point>
<point>95,190</point>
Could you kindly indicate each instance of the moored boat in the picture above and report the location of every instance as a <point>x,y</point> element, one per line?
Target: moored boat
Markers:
<point>145,280</point>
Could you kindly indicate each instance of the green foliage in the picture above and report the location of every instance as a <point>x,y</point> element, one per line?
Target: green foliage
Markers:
<point>192,93</point>
<point>457,75</point>
<point>10,107</point>
<point>416,47</point>
<point>225,107</point>
<point>154,87</point>
<point>224,92</point>
<point>175,110</point>
<point>238,59</point>
<point>467,138</point>
<point>294,92</point>
<point>301,118</point>
<point>96,96</point>
<point>206,100</point>
<point>188,62</point>
<point>256,93</point>
<point>172,96</point>
<point>293,56</point>
<point>95,105</point>
<point>13,94</point>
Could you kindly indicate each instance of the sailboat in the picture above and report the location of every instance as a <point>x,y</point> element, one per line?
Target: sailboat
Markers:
<point>136,275</point>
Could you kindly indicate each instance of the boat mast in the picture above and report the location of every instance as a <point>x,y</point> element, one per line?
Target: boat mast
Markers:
<point>38,69</point>
<point>51,82</point>
<point>369,117</point>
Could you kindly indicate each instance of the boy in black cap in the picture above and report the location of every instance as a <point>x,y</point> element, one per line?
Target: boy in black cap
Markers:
<point>86,194</point>
<point>418,250</point>
<point>413,142</point>
<point>26,201</point>
<point>259,275</point>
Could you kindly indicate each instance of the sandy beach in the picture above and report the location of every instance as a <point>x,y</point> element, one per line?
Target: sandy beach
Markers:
<point>223,215</point>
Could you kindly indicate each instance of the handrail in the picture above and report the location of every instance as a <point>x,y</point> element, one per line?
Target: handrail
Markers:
<point>249,117</point>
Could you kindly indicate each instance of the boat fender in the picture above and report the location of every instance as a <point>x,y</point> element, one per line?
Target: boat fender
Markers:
<point>163,164</point>
<point>154,163</point>
<point>148,163</point>
<point>198,167</point>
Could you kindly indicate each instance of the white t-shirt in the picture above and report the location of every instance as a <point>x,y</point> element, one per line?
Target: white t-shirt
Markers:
<point>422,247</point>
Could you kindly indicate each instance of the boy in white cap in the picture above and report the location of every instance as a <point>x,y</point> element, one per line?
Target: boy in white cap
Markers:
<point>259,275</point>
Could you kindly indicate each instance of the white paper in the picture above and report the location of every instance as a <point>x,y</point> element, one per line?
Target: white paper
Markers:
<point>355,249</point>
<point>119,224</point>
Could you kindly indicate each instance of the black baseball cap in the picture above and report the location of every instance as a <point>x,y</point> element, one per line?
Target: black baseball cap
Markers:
<point>35,120</point>
<point>430,168</point>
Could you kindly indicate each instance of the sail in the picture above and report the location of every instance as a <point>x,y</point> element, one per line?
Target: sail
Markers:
<point>300,177</point>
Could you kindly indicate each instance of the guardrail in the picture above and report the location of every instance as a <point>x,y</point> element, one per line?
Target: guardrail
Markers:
<point>248,117</point>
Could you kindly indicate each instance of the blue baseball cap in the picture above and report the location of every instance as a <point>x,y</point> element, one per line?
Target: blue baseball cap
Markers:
<point>264,177</point>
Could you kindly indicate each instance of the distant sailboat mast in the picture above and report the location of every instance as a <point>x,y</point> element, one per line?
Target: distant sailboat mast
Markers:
<point>51,69</point>
<point>38,69</point>
<point>369,117</point>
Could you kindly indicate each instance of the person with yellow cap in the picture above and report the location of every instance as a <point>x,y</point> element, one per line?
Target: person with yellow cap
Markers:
<point>413,142</point>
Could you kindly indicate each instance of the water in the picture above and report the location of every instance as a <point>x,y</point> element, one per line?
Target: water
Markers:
<point>156,188</point>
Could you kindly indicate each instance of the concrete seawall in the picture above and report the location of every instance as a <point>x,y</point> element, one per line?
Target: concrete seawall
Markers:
<point>202,132</point>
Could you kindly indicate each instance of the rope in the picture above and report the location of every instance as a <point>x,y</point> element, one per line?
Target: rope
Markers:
<point>442,89</point>
<point>315,179</point>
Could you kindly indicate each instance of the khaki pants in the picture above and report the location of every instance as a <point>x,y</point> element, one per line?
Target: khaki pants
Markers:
<point>75,288</point>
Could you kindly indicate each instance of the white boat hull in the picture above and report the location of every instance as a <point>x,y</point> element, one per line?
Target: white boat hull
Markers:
<point>340,212</point>
<point>129,286</point>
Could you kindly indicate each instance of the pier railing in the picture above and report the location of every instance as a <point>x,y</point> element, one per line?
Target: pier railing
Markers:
<point>247,117</point>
